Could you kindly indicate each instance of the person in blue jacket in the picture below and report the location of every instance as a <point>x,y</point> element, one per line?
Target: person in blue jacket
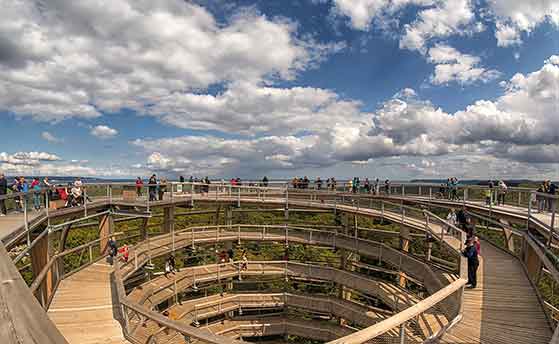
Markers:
<point>473,262</point>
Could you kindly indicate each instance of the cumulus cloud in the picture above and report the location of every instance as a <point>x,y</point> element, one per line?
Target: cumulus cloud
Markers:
<point>103,132</point>
<point>449,17</point>
<point>509,129</point>
<point>252,109</point>
<point>63,59</point>
<point>454,66</point>
<point>513,17</point>
<point>27,158</point>
<point>50,137</point>
<point>362,12</point>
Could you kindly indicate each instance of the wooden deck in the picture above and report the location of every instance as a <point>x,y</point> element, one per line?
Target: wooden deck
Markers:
<point>83,307</point>
<point>503,309</point>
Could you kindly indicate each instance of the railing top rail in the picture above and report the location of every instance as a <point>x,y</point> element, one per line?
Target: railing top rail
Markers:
<point>404,316</point>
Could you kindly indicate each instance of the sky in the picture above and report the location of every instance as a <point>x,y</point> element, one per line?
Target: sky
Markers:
<point>399,89</point>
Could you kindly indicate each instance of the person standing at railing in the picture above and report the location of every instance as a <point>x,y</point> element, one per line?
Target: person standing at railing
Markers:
<point>334,184</point>
<point>540,199</point>
<point>3,192</point>
<point>502,193</point>
<point>265,182</point>
<point>162,188</point>
<point>152,187</point>
<point>551,190</point>
<point>377,187</point>
<point>23,187</point>
<point>387,187</point>
<point>47,185</point>
<point>139,186</point>
<point>318,183</point>
<point>451,219</point>
<point>473,263</point>
<point>36,188</point>
<point>367,185</point>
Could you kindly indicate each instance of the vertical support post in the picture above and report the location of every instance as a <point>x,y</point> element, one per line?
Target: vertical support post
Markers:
<point>404,246</point>
<point>106,225</point>
<point>26,220</point>
<point>403,333</point>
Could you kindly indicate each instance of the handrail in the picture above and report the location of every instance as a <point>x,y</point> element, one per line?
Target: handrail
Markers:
<point>401,318</point>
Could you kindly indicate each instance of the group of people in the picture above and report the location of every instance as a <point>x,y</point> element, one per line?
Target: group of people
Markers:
<point>546,203</point>
<point>496,192</point>
<point>39,193</point>
<point>463,221</point>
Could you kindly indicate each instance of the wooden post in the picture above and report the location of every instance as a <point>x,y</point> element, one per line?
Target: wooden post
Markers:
<point>404,246</point>
<point>106,226</point>
<point>168,219</point>
<point>39,259</point>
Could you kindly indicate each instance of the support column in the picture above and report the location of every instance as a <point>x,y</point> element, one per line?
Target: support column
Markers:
<point>39,259</point>
<point>229,216</point>
<point>509,238</point>
<point>144,228</point>
<point>106,228</point>
<point>168,219</point>
<point>404,246</point>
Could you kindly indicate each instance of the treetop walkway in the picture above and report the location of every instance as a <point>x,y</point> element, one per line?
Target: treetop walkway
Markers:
<point>505,308</point>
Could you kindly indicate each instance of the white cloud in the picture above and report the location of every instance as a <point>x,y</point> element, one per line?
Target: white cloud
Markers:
<point>508,129</point>
<point>250,109</point>
<point>449,17</point>
<point>516,16</point>
<point>27,158</point>
<point>362,12</point>
<point>81,58</point>
<point>50,137</point>
<point>103,132</point>
<point>454,66</point>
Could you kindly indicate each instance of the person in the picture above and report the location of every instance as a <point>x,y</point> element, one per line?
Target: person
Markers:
<point>551,190</point>
<point>540,198</point>
<point>461,218</point>
<point>36,188</point>
<point>334,184</point>
<point>152,187</point>
<point>473,263</point>
<point>318,183</point>
<point>367,185</point>
<point>170,265</point>
<point>207,183</point>
<point>3,193</point>
<point>454,189</point>
<point>23,187</point>
<point>244,261</point>
<point>139,186</point>
<point>377,187</point>
<point>15,189</point>
<point>470,227</point>
<point>162,188</point>
<point>222,257</point>
<point>47,185</point>
<point>112,246</point>
<point>477,244</point>
<point>230,254</point>
<point>451,219</point>
<point>265,182</point>
<point>502,193</point>
<point>492,197</point>
<point>306,182</point>
<point>487,193</point>
<point>387,187</point>
<point>350,185</point>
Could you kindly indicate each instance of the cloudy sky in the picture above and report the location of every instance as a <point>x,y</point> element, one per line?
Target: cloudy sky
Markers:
<point>381,88</point>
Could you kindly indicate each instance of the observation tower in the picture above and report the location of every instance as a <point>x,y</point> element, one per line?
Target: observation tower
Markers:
<point>220,263</point>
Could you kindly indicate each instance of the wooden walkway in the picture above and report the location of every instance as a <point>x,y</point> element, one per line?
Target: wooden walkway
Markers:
<point>503,309</point>
<point>83,308</point>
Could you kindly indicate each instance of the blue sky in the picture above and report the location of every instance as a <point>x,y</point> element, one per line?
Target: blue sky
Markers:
<point>380,88</point>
